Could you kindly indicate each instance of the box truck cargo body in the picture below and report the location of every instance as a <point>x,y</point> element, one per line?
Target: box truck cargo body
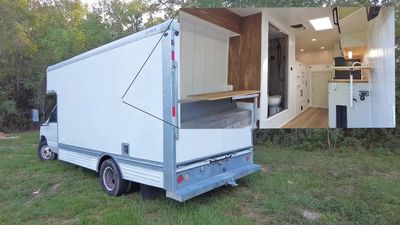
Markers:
<point>119,113</point>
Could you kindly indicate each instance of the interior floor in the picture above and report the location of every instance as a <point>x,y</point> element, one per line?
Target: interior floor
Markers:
<point>311,118</point>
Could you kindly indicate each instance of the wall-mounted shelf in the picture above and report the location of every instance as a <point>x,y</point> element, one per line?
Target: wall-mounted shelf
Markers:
<point>226,94</point>
<point>347,81</point>
<point>351,68</point>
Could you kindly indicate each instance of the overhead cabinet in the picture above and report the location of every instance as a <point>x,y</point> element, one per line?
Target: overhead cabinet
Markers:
<point>353,32</point>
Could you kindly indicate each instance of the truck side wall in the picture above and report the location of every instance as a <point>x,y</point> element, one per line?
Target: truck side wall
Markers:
<point>92,118</point>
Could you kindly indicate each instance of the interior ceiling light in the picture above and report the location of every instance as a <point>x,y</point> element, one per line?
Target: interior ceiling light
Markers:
<point>313,39</point>
<point>322,47</point>
<point>302,50</point>
<point>350,54</point>
<point>323,23</point>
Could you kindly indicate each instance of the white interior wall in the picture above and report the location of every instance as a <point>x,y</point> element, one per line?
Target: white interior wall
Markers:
<point>204,57</point>
<point>283,117</point>
<point>316,57</point>
<point>381,56</point>
<point>337,52</point>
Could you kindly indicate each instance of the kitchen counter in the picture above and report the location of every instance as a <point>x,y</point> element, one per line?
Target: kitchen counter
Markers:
<point>347,81</point>
<point>225,94</point>
<point>351,68</point>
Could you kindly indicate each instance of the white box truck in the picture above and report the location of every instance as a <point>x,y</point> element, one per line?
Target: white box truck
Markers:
<point>118,113</point>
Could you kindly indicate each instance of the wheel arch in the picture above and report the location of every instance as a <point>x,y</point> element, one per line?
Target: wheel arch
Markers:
<point>42,138</point>
<point>103,157</point>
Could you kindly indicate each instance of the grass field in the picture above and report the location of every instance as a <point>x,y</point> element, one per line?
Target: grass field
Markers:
<point>336,188</point>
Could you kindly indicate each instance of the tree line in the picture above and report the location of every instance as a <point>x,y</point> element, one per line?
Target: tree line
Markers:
<point>37,33</point>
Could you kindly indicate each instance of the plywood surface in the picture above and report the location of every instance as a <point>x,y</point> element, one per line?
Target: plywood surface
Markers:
<point>223,95</point>
<point>347,81</point>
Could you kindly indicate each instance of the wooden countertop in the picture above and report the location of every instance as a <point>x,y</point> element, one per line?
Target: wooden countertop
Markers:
<point>223,95</point>
<point>347,81</point>
<point>351,68</point>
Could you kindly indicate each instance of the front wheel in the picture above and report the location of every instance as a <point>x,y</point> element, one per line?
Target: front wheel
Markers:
<point>45,152</point>
<point>111,178</point>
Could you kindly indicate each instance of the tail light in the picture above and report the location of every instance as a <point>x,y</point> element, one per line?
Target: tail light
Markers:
<point>180,179</point>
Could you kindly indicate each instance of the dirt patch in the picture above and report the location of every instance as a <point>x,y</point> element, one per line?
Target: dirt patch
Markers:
<point>246,206</point>
<point>70,221</point>
<point>346,190</point>
<point>54,189</point>
<point>37,193</point>
<point>333,173</point>
<point>7,136</point>
<point>311,216</point>
<point>387,175</point>
<point>265,168</point>
<point>255,213</point>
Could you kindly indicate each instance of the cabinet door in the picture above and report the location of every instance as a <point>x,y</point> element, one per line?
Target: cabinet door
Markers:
<point>300,87</point>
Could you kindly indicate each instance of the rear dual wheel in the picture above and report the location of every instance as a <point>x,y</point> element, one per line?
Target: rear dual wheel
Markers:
<point>111,179</point>
<point>113,184</point>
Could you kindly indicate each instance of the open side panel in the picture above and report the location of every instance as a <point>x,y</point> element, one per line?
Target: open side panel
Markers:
<point>197,144</point>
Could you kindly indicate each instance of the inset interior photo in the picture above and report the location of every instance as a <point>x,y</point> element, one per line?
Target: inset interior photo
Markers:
<point>303,67</point>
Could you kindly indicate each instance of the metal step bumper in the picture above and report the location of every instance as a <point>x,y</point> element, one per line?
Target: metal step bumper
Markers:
<point>211,183</point>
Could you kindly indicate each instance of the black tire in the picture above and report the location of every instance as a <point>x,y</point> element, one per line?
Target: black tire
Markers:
<point>148,192</point>
<point>132,187</point>
<point>111,179</point>
<point>45,152</point>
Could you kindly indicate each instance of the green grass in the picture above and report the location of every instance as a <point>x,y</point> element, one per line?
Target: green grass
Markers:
<point>343,187</point>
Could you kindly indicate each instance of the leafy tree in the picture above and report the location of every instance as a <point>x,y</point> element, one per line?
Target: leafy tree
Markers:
<point>120,17</point>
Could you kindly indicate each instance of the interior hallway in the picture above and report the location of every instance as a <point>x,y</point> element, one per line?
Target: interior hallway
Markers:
<point>311,118</point>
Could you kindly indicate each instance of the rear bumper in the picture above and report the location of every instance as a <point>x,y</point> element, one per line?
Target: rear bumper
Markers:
<point>195,189</point>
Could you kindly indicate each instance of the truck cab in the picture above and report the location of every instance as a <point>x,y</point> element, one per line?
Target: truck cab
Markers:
<point>48,144</point>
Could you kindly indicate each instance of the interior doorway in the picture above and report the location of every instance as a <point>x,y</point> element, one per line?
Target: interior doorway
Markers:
<point>277,70</point>
<point>319,88</point>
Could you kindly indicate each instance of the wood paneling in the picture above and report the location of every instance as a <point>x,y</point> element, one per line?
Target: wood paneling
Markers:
<point>244,67</point>
<point>234,62</point>
<point>250,50</point>
<point>219,16</point>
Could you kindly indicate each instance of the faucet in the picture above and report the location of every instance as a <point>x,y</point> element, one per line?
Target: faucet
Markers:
<point>351,84</point>
<point>352,69</point>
